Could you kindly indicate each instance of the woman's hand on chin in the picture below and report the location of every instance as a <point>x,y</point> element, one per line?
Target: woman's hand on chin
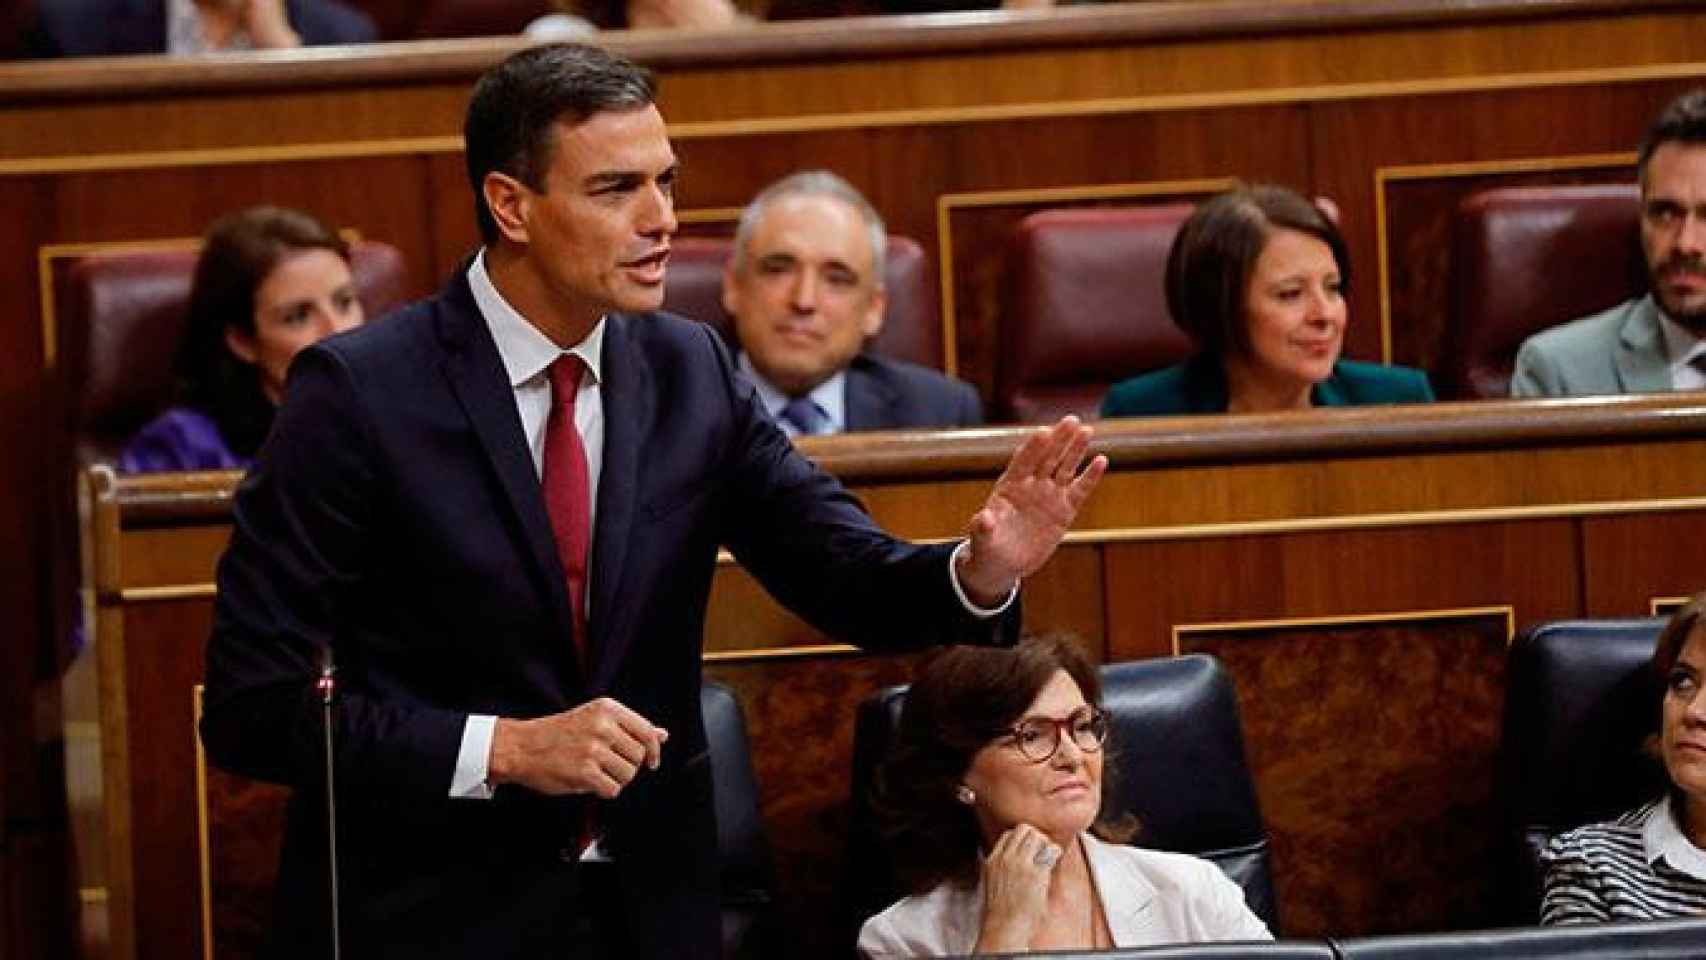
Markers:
<point>1016,876</point>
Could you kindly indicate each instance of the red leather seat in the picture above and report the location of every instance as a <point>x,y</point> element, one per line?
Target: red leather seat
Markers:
<point>1527,258</point>
<point>121,316</point>
<point>1085,308</point>
<point>912,323</point>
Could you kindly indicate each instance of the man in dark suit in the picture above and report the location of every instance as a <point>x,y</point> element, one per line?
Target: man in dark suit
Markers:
<point>106,28</point>
<point>500,511</point>
<point>805,289</point>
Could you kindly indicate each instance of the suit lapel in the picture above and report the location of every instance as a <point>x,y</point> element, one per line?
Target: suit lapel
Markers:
<point>477,377</point>
<point>1127,897</point>
<point>629,406</point>
<point>868,398</point>
<point>1641,361</point>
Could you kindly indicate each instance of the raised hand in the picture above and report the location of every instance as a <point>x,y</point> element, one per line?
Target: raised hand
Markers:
<point>267,24</point>
<point>1030,509</point>
<point>598,747</point>
<point>1016,876</point>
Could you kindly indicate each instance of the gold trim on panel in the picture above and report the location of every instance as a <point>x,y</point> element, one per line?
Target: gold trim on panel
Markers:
<point>1335,620</point>
<point>1664,606</point>
<point>1377,520</point>
<point>709,215</point>
<point>1444,171</point>
<point>92,894</point>
<point>930,116</point>
<point>176,591</point>
<point>204,832</point>
<point>778,653</point>
<point>947,203</point>
<point>231,156</point>
<point>1159,103</point>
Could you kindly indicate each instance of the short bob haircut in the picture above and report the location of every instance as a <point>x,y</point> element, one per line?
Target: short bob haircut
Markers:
<point>1683,120</point>
<point>512,119</point>
<point>237,254</point>
<point>1672,639</point>
<point>961,700</point>
<point>1215,253</point>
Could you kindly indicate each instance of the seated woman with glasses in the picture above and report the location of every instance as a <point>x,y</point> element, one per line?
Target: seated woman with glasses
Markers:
<point>992,801</point>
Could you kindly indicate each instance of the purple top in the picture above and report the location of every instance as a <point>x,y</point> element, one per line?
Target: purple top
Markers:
<point>179,439</point>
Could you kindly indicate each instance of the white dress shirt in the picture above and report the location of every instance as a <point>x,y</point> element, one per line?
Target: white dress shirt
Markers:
<point>830,397</point>
<point>1682,348</point>
<point>1147,898</point>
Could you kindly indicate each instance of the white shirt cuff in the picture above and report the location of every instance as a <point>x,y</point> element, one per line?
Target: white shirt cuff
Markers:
<point>472,761</point>
<point>959,591</point>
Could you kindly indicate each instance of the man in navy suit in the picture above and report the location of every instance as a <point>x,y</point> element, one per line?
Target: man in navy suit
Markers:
<point>499,511</point>
<point>805,288</point>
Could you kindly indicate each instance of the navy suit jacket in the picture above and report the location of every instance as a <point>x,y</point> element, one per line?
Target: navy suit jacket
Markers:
<point>95,28</point>
<point>394,517</point>
<point>893,395</point>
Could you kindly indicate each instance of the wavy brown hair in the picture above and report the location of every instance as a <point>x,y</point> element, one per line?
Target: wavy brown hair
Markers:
<point>960,701</point>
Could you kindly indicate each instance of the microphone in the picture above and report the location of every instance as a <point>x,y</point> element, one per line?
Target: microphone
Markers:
<point>326,686</point>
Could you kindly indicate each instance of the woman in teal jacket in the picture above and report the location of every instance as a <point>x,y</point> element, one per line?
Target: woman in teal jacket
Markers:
<point>1257,276</point>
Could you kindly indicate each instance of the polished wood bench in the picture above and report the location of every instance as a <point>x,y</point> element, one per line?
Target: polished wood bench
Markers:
<point>1360,571</point>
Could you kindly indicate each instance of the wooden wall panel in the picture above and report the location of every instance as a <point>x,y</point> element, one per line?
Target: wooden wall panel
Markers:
<point>160,671</point>
<point>1374,749</point>
<point>1154,588</point>
<point>1631,561</point>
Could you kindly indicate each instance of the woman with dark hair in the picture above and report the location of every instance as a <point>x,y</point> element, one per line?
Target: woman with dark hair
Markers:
<point>1649,863</point>
<point>992,801</point>
<point>1257,277</point>
<point>268,283</point>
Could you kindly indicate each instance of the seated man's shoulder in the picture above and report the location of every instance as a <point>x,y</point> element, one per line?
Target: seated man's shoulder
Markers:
<point>934,398</point>
<point>1593,334</point>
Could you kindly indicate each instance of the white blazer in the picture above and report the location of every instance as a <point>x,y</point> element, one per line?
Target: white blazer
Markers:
<point>1148,898</point>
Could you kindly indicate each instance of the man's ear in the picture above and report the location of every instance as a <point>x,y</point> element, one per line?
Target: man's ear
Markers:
<point>731,296</point>
<point>510,202</point>
<point>241,345</point>
<point>872,322</point>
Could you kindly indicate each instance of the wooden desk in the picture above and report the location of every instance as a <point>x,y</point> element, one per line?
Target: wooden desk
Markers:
<point>1361,572</point>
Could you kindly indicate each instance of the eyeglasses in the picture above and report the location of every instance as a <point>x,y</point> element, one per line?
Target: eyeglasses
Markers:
<point>1039,737</point>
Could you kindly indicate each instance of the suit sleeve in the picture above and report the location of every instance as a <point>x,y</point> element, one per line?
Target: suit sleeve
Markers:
<point>302,541</point>
<point>815,549</point>
<point>971,408</point>
<point>1534,375</point>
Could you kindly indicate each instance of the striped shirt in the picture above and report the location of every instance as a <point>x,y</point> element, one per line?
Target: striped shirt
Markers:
<point>1640,866</point>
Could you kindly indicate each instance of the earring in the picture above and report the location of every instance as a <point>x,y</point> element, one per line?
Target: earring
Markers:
<point>965,794</point>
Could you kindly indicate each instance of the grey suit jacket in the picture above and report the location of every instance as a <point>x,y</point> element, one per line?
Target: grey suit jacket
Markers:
<point>1621,350</point>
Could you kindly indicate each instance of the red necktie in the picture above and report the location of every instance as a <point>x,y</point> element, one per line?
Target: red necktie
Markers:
<point>568,497</point>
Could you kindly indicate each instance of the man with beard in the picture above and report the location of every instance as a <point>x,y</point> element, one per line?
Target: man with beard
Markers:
<point>1656,342</point>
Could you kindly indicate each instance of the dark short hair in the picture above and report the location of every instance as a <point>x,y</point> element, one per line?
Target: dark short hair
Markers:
<point>960,701</point>
<point>238,252</point>
<point>1683,120</point>
<point>512,117</point>
<point>1215,252</point>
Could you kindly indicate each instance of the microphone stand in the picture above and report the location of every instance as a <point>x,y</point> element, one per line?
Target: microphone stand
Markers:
<point>326,687</point>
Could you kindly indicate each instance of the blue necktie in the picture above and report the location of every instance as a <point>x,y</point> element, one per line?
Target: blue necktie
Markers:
<point>805,416</point>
